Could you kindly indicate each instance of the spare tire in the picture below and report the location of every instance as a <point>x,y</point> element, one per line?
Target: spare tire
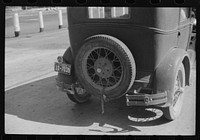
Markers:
<point>105,62</point>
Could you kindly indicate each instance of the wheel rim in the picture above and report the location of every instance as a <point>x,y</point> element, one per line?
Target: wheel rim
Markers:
<point>102,68</point>
<point>179,90</point>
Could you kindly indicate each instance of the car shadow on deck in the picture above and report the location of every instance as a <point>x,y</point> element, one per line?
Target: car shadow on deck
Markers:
<point>40,101</point>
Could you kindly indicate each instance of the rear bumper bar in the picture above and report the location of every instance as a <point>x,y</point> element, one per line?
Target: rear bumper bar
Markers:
<point>142,99</point>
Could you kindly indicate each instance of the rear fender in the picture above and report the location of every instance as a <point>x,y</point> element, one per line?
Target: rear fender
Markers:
<point>67,58</point>
<point>166,71</point>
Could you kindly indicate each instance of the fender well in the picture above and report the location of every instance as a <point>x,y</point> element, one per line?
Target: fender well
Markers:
<point>186,63</point>
<point>68,58</point>
<point>165,72</point>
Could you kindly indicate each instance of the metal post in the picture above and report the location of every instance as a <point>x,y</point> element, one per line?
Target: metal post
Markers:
<point>60,19</point>
<point>102,91</point>
<point>16,24</point>
<point>41,22</point>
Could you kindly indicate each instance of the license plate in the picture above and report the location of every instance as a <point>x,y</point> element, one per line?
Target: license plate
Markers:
<point>62,68</point>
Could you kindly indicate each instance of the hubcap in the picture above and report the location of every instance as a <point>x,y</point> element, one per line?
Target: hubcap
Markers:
<point>103,67</point>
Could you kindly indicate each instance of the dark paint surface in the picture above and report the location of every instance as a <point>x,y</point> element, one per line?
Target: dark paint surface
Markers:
<point>149,34</point>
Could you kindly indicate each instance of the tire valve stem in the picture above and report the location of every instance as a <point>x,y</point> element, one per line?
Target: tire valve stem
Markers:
<point>102,99</point>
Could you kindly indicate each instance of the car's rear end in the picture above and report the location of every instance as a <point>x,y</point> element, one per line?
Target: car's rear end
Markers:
<point>115,51</point>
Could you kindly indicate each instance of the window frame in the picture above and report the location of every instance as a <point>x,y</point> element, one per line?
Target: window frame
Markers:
<point>111,18</point>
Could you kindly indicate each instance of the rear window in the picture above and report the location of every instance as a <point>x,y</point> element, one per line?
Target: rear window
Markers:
<point>108,13</point>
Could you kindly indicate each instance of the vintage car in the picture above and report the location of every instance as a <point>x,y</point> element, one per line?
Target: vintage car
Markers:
<point>142,54</point>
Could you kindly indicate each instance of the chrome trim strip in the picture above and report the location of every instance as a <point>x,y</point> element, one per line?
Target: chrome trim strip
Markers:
<point>156,30</point>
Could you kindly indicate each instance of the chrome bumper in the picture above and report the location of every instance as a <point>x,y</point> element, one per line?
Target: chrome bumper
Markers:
<point>142,99</point>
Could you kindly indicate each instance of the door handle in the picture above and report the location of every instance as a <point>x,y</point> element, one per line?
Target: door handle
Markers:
<point>179,33</point>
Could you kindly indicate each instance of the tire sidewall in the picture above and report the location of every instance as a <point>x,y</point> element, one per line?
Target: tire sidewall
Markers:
<point>114,47</point>
<point>172,114</point>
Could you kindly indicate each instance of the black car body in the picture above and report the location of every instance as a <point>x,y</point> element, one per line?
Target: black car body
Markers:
<point>154,46</point>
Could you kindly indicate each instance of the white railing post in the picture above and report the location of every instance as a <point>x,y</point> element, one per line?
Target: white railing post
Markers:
<point>41,22</point>
<point>60,19</point>
<point>16,24</point>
